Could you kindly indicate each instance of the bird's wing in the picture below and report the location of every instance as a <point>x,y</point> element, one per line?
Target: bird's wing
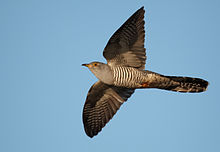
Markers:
<point>101,104</point>
<point>126,46</point>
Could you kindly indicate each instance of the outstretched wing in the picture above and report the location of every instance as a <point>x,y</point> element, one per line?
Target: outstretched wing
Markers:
<point>101,104</point>
<point>126,46</point>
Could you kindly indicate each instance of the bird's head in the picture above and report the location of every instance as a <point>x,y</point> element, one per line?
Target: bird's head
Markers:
<point>101,70</point>
<point>94,66</point>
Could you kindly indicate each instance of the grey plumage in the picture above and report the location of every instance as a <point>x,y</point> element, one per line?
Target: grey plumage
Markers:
<point>123,73</point>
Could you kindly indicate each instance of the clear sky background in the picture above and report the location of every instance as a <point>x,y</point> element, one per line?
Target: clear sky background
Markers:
<point>43,86</point>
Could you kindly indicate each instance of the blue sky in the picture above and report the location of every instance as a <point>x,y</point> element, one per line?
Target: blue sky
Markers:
<point>43,86</point>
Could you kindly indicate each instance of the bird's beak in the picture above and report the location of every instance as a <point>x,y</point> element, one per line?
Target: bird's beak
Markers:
<point>87,65</point>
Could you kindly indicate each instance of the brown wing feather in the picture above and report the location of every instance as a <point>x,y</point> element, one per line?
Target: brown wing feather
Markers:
<point>126,46</point>
<point>101,104</point>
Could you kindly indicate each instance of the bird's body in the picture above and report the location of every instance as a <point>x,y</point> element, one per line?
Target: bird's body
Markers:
<point>129,77</point>
<point>125,72</point>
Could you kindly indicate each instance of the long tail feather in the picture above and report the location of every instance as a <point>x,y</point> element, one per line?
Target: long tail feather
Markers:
<point>186,84</point>
<point>176,83</point>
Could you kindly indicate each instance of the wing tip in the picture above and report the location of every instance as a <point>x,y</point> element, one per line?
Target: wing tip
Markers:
<point>141,9</point>
<point>90,134</point>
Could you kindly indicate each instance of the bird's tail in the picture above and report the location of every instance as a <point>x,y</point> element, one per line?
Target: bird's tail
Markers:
<point>176,83</point>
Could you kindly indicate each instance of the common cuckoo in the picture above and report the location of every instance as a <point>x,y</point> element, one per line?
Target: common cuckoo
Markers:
<point>125,72</point>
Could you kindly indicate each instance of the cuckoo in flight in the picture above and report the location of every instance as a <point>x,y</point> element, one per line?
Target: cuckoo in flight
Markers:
<point>125,72</point>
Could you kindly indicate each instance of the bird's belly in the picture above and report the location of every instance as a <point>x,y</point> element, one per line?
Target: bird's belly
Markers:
<point>128,77</point>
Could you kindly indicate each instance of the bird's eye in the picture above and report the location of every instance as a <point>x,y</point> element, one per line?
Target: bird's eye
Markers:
<point>95,64</point>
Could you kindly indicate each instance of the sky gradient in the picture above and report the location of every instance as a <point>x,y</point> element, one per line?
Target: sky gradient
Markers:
<point>43,86</point>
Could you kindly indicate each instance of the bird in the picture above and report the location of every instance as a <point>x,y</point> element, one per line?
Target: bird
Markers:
<point>124,73</point>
